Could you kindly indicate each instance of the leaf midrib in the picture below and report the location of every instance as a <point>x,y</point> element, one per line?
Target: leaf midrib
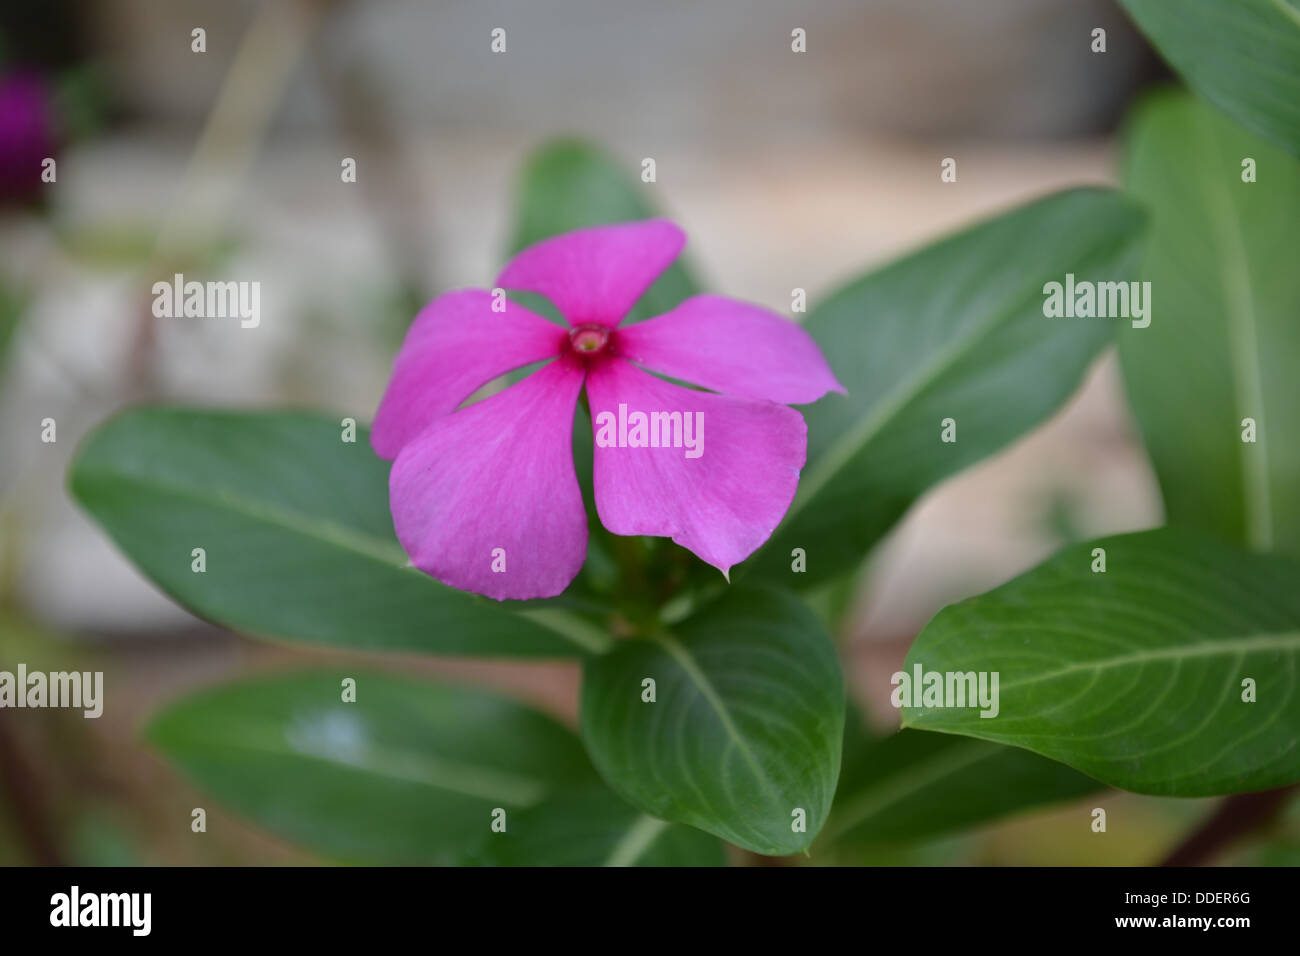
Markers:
<point>555,620</point>
<point>1285,640</point>
<point>321,529</point>
<point>1288,11</point>
<point>895,788</point>
<point>513,789</point>
<point>1243,349</point>
<point>691,667</point>
<point>842,452</point>
<point>636,842</point>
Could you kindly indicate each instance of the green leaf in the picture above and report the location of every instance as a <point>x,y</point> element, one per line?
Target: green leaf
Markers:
<point>745,727</point>
<point>408,773</point>
<point>11,312</point>
<point>569,185</point>
<point>956,331</point>
<point>298,542</point>
<point>595,828</point>
<point>1135,675</point>
<point>1225,330</point>
<point>913,785</point>
<point>1241,55</point>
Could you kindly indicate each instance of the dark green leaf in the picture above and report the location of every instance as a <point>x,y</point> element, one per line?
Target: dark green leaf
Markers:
<point>1225,332</point>
<point>595,828</point>
<point>1241,55</point>
<point>569,185</point>
<point>1136,675</point>
<point>957,331</point>
<point>913,785</point>
<point>296,532</point>
<point>409,773</point>
<point>745,727</point>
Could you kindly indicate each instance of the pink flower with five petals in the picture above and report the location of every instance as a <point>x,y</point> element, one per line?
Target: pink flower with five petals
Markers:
<point>498,474</point>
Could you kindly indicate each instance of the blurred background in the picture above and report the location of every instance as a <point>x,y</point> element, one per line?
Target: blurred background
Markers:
<point>787,170</point>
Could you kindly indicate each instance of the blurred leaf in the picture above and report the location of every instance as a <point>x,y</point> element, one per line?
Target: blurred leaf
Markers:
<point>1281,853</point>
<point>97,840</point>
<point>1134,676</point>
<point>114,245</point>
<point>11,311</point>
<point>595,828</point>
<point>913,785</point>
<point>1278,844</point>
<point>745,727</point>
<point>1225,333</point>
<point>107,245</point>
<point>569,185</point>
<point>957,331</point>
<point>859,737</point>
<point>833,601</point>
<point>298,538</point>
<point>1242,55</point>
<point>81,101</point>
<point>409,773</point>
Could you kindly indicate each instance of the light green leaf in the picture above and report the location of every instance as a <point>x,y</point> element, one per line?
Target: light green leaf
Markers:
<point>297,538</point>
<point>744,731</point>
<point>408,773</point>
<point>1138,675</point>
<point>1225,329</point>
<point>956,331</point>
<point>913,786</point>
<point>1241,55</point>
<point>569,185</point>
<point>595,828</point>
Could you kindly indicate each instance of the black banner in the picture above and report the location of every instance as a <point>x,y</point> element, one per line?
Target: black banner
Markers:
<point>940,904</point>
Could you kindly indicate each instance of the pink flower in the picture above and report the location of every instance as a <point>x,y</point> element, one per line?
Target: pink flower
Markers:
<point>492,485</point>
<point>26,135</point>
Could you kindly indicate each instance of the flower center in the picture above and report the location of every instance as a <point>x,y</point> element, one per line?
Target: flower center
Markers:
<point>589,339</point>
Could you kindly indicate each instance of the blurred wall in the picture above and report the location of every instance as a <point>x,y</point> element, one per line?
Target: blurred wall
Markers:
<point>642,72</point>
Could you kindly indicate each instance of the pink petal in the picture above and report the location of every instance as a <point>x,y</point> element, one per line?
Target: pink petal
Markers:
<point>721,505</point>
<point>594,276</point>
<point>456,345</point>
<point>732,347</point>
<point>498,474</point>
